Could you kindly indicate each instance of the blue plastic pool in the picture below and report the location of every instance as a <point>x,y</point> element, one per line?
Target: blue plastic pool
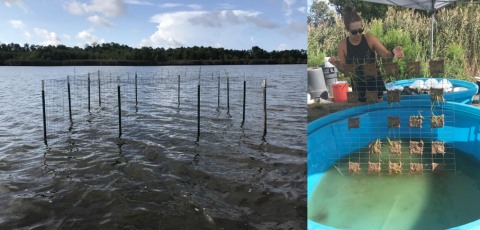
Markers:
<point>329,136</point>
<point>464,97</point>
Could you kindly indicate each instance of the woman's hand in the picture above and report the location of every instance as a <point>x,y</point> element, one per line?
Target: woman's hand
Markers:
<point>397,52</point>
<point>334,61</point>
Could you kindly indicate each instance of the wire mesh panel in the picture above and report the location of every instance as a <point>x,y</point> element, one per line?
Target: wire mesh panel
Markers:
<point>411,133</point>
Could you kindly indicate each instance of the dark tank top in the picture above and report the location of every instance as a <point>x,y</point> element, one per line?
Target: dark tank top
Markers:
<point>359,54</point>
<point>359,51</point>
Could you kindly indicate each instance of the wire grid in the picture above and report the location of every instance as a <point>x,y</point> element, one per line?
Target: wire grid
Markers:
<point>357,138</point>
<point>152,104</point>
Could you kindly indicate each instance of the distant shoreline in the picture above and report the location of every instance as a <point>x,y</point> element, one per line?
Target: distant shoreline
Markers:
<point>100,62</point>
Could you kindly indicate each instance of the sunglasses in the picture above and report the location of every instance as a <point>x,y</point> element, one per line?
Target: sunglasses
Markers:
<point>354,32</point>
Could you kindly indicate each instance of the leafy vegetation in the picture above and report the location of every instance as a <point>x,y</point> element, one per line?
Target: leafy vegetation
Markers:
<point>456,39</point>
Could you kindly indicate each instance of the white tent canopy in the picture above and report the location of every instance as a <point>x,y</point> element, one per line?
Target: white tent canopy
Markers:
<point>431,6</point>
<point>419,5</point>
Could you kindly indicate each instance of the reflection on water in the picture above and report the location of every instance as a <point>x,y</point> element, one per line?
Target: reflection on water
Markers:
<point>156,176</point>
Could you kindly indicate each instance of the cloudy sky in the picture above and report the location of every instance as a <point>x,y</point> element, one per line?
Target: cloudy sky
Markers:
<point>269,24</point>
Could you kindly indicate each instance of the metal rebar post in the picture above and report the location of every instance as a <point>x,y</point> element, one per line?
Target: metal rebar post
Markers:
<point>228,95</point>
<point>244,95</point>
<point>69,99</point>
<point>99,98</point>
<point>198,105</point>
<point>88,92</point>
<point>218,94</point>
<point>44,116</point>
<point>136,98</point>
<point>264,107</point>
<point>178,94</point>
<point>119,109</point>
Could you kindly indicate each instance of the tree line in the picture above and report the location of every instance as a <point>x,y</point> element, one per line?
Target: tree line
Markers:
<point>116,54</point>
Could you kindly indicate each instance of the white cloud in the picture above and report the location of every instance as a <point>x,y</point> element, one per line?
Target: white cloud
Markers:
<point>101,21</point>
<point>288,6</point>
<point>195,6</point>
<point>51,38</point>
<point>296,27</point>
<point>110,8</point>
<point>10,3</point>
<point>28,35</point>
<point>17,24</point>
<point>186,28</point>
<point>217,45</point>
<point>66,36</point>
<point>136,2</point>
<point>1,42</point>
<point>168,5</point>
<point>302,9</point>
<point>282,46</point>
<point>87,36</point>
<point>251,39</point>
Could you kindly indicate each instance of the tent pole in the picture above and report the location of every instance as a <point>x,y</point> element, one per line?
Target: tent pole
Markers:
<point>431,51</point>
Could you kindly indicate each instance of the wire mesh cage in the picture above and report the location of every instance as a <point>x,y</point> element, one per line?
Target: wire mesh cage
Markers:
<point>96,107</point>
<point>409,132</point>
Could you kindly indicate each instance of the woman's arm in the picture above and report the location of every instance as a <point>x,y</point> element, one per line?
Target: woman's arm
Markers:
<point>341,50</point>
<point>379,48</point>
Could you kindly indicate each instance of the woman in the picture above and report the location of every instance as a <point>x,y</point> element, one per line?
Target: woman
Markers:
<point>358,47</point>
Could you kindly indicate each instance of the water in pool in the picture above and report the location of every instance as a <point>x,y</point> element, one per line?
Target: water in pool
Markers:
<point>405,201</point>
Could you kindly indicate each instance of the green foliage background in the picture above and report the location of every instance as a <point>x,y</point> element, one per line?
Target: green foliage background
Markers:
<point>456,39</point>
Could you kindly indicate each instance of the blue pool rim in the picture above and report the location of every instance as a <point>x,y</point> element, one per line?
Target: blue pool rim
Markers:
<point>321,129</point>
<point>464,97</point>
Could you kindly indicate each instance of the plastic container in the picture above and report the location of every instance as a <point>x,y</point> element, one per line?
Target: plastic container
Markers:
<point>464,97</point>
<point>478,84</point>
<point>331,77</point>
<point>340,92</point>
<point>328,136</point>
<point>316,83</point>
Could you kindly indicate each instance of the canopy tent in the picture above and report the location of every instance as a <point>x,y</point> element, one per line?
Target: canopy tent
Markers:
<point>429,5</point>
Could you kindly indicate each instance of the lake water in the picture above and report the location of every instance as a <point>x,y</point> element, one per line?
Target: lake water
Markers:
<point>400,201</point>
<point>156,175</point>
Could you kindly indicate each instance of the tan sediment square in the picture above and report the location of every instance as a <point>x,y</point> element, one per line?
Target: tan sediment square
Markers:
<point>395,168</point>
<point>393,96</point>
<point>374,147</point>
<point>437,122</point>
<point>392,68</point>
<point>352,97</point>
<point>416,147</point>
<point>372,97</point>
<point>353,123</point>
<point>374,168</point>
<point>438,147</point>
<point>349,70</point>
<point>353,168</point>
<point>370,70</point>
<point>413,67</point>
<point>415,122</point>
<point>396,147</point>
<point>416,168</point>
<point>436,66</point>
<point>438,168</point>
<point>393,122</point>
<point>436,95</point>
